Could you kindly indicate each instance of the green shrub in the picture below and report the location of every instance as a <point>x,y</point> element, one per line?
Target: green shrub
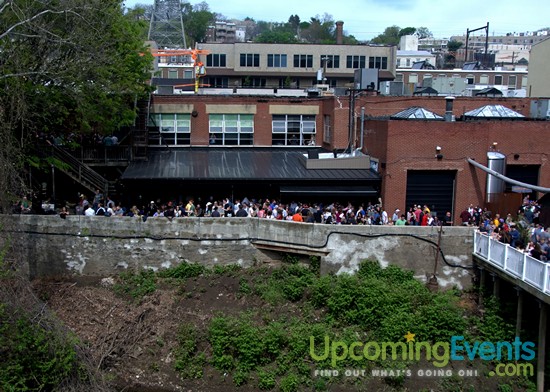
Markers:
<point>34,357</point>
<point>229,270</point>
<point>266,380</point>
<point>290,383</point>
<point>188,361</point>
<point>183,270</point>
<point>136,285</point>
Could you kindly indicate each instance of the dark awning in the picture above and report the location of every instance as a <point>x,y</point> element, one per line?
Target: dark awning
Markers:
<point>329,190</point>
<point>243,164</point>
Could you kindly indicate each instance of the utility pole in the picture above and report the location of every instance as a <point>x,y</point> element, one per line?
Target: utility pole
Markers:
<point>468,31</point>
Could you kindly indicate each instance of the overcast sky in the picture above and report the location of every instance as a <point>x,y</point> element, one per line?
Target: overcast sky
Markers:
<point>365,19</point>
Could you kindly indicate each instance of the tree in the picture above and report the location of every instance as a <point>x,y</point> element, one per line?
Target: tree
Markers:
<point>407,31</point>
<point>423,32</point>
<point>319,30</point>
<point>276,37</point>
<point>453,46</point>
<point>72,66</point>
<point>196,21</point>
<point>390,36</point>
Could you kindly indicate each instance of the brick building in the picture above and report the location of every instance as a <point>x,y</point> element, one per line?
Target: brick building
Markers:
<point>425,161</point>
<point>400,161</point>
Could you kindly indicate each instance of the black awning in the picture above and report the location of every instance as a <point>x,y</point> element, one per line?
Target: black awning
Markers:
<point>329,190</point>
<point>239,164</point>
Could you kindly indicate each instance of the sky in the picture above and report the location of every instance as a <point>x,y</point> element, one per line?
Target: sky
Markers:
<point>365,19</point>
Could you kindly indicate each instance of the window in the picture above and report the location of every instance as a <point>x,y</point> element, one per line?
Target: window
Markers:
<point>512,82</point>
<point>253,82</point>
<point>276,60</point>
<point>293,130</point>
<point>484,79</point>
<point>303,61</point>
<point>408,63</point>
<point>216,60</point>
<point>470,79</point>
<point>378,62</point>
<point>355,61</point>
<point>217,81</point>
<point>327,134</point>
<point>173,129</point>
<point>172,73</point>
<point>399,77</point>
<point>524,82</point>
<point>398,62</point>
<point>330,60</point>
<point>426,76</point>
<point>231,129</point>
<point>498,79</point>
<point>250,60</point>
<point>413,78</point>
<point>188,74</point>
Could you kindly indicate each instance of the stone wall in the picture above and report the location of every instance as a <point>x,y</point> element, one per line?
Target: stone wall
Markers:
<point>100,246</point>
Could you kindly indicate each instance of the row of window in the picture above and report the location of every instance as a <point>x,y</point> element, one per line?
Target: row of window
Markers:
<point>258,81</point>
<point>299,61</point>
<point>233,129</point>
<point>498,80</point>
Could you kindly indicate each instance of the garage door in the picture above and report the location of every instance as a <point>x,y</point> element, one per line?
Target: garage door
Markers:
<point>435,188</point>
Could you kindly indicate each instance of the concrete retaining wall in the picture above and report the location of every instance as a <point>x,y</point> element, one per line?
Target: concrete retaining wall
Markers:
<point>100,246</point>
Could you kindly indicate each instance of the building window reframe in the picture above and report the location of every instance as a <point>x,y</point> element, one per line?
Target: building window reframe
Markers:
<point>293,129</point>
<point>228,129</point>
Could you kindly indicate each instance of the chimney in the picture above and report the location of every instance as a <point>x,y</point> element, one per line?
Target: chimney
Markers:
<point>339,32</point>
<point>449,108</point>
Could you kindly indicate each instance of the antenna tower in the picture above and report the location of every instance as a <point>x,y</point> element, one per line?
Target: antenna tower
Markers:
<point>166,26</point>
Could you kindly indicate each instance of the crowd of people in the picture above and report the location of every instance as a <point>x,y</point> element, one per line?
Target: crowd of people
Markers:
<point>333,213</point>
<point>522,231</point>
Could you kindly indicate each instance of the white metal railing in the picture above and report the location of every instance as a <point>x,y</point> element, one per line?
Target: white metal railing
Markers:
<point>514,262</point>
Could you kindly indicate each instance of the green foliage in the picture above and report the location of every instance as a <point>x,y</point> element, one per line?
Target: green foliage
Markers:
<point>266,380</point>
<point>390,36</point>
<point>375,304</point>
<point>196,20</point>
<point>315,264</point>
<point>407,31</point>
<point>453,46</point>
<point>244,287</point>
<point>492,326</point>
<point>290,383</point>
<point>276,37</point>
<point>136,285</point>
<point>183,270</point>
<point>34,358</point>
<point>188,361</point>
<point>229,270</point>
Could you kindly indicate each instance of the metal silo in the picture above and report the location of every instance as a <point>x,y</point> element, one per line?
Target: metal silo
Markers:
<point>496,162</point>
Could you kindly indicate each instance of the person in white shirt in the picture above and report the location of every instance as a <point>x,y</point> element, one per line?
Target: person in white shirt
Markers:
<point>89,211</point>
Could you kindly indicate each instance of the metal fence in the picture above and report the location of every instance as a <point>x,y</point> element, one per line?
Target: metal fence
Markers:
<point>513,261</point>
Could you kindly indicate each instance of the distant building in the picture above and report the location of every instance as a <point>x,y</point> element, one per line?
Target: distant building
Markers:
<point>458,82</point>
<point>538,82</point>
<point>259,65</point>
<point>408,53</point>
<point>222,32</point>
<point>523,39</point>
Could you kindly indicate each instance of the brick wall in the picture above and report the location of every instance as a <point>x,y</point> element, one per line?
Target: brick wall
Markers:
<point>386,106</point>
<point>406,145</point>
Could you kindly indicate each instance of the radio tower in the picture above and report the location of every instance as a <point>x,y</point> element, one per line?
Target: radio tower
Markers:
<point>166,27</point>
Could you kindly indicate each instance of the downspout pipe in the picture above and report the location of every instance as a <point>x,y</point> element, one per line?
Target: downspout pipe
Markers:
<point>507,179</point>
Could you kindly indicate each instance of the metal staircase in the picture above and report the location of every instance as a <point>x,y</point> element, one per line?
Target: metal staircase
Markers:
<point>81,172</point>
<point>140,134</point>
